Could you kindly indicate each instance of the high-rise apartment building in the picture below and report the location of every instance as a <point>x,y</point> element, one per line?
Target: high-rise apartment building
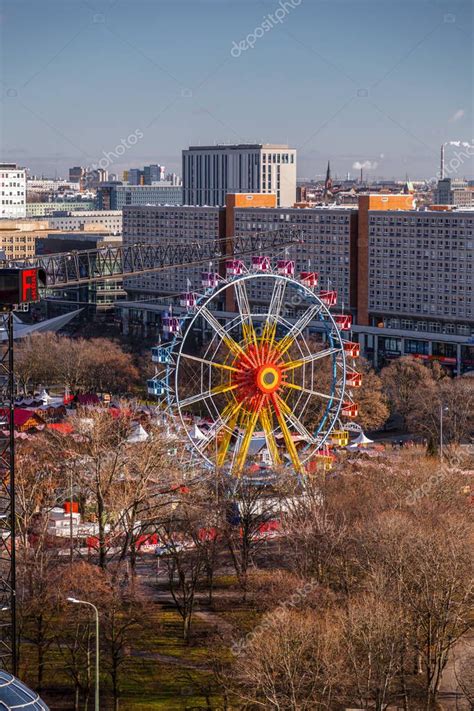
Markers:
<point>12,191</point>
<point>211,172</point>
<point>406,275</point>
<point>168,225</point>
<point>329,246</point>
<point>115,195</point>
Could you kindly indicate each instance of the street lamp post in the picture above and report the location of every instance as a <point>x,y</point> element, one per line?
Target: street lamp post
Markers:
<point>97,660</point>
<point>442,409</point>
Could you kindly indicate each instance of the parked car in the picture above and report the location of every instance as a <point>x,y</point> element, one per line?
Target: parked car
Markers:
<point>168,549</point>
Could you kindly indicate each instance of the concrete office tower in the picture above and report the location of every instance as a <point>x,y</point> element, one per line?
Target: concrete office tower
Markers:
<point>76,174</point>
<point>211,172</point>
<point>12,190</point>
<point>454,192</point>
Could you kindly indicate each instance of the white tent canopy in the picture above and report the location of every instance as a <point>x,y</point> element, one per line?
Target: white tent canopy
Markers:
<point>137,435</point>
<point>21,330</point>
<point>362,440</point>
<point>197,434</point>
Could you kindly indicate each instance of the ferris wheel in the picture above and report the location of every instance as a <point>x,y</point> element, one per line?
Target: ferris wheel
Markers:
<point>259,361</point>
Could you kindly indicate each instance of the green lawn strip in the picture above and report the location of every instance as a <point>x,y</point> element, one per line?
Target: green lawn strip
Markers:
<point>145,682</point>
<point>151,684</point>
<point>243,619</point>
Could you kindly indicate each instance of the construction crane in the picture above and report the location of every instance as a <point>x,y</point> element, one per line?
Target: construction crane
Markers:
<point>110,262</point>
<point>22,282</point>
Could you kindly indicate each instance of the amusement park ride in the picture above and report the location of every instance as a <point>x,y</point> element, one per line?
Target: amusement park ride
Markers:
<point>258,374</point>
<point>257,370</point>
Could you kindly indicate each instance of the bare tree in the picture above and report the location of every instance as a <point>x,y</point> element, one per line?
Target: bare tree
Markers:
<point>290,662</point>
<point>453,402</point>
<point>372,634</point>
<point>407,381</point>
<point>183,559</point>
<point>247,509</point>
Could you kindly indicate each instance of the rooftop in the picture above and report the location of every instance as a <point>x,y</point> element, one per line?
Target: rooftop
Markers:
<point>240,146</point>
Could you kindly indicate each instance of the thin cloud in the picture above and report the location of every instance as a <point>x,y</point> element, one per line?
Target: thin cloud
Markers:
<point>366,165</point>
<point>457,116</point>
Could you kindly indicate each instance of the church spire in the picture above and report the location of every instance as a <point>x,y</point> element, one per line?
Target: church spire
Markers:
<point>328,175</point>
<point>328,183</point>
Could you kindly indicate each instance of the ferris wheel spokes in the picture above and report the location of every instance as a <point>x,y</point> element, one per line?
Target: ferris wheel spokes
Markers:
<point>248,330</point>
<point>291,365</point>
<point>266,418</point>
<point>297,424</point>
<point>295,386</point>
<point>231,344</point>
<point>298,327</point>
<point>274,311</point>
<point>228,420</point>
<point>204,361</point>
<point>250,423</point>
<point>218,390</point>
<point>290,445</point>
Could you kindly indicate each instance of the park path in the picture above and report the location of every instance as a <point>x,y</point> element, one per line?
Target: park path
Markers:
<point>451,696</point>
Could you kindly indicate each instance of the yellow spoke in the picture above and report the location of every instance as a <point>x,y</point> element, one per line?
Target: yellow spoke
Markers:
<point>244,447</point>
<point>248,330</point>
<point>269,330</point>
<point>223,388</point>
<point>267,423</point>
<point>230,415</point>
<point>232,345</point>
<point>294,420</point>
<point>290,445</point>
<point>210,362</point>
<point>249,334</point>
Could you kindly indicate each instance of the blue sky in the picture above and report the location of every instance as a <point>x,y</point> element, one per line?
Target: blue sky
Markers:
<point>384,81</point>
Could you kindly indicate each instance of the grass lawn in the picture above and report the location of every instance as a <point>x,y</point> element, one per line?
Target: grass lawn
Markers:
<point>154,675</point>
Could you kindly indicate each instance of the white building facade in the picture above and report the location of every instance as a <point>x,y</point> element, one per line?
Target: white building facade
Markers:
<point>12,191</point>
<point>210,172</point>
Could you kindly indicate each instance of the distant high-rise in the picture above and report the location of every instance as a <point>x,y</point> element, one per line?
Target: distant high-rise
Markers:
<point>135,176</point>
<point>454,192</point>
<point>76,174</point>
<point>148,175</point>
<point>210,172</point>
<point>153,174</point>
<point>13,190</point>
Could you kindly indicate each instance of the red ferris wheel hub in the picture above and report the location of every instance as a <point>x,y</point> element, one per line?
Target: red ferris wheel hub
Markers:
<point>268,378</point>
<point>257,375</point>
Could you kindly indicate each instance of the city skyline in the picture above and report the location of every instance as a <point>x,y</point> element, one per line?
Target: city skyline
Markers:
<point>328,79</point>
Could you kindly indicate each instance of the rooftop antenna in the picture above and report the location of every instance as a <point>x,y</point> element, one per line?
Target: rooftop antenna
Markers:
<point>441,167</point>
